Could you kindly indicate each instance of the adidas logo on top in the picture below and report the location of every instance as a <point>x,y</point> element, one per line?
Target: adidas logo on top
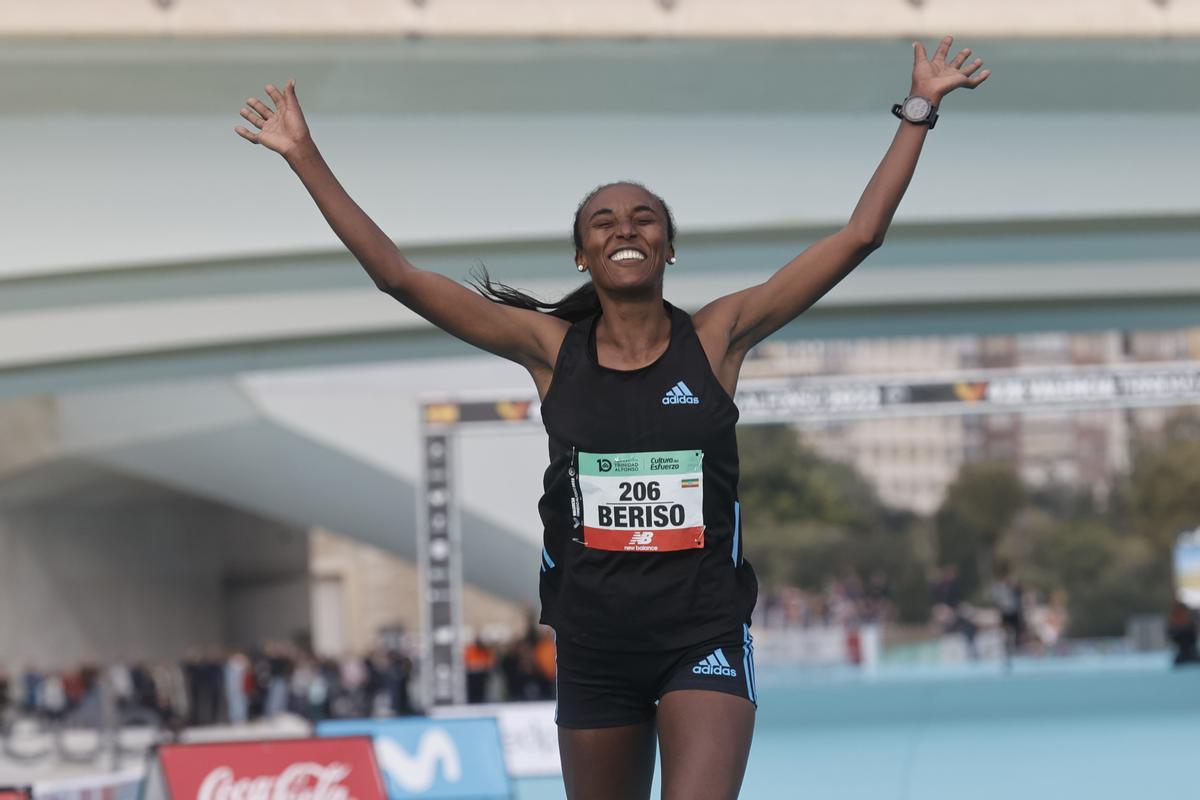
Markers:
<point>715,663</point>
<point>680,394</point>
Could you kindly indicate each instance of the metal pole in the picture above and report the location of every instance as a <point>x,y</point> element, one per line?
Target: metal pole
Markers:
<point>441,570</point>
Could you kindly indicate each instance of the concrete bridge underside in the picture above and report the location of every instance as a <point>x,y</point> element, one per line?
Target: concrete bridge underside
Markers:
<point>188,318</point>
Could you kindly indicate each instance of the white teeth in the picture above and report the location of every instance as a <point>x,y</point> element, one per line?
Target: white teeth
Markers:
<point>627,255</point>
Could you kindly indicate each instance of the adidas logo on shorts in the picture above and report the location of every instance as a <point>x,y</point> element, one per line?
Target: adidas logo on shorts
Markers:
<point>715,663</point>
<point>680,394</point>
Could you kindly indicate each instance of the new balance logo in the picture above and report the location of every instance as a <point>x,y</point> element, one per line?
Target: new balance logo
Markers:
<point>641,542</point>
<point>715,664</point>
<point>680,394</point>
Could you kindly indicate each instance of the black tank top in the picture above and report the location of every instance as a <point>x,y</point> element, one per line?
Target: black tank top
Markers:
<point>642,526</point>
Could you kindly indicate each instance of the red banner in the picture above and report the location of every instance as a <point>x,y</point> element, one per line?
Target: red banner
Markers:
<point>288,769</point>
<point>7,793</point>
<point>656,541</point>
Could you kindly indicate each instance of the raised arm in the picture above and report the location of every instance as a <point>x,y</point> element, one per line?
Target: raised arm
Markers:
<point>731,325</point>
<point>528,337</point>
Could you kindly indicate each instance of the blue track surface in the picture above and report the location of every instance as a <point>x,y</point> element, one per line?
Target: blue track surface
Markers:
<point>1103,729</point>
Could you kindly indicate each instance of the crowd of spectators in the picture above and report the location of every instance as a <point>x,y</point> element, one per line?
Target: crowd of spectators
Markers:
<point>219,686</point>
<point>227,686</point>
<point>1030,623</point>
<point>237,686</point>
<point>523,669</point>
<point>846,602</point>
<point>48,694</point>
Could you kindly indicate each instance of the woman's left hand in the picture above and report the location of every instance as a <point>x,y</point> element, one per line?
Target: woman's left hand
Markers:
<point>935,78</point>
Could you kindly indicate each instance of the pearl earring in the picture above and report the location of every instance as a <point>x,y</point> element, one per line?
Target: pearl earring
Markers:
<point>671,260</point>
<point>581,267</point>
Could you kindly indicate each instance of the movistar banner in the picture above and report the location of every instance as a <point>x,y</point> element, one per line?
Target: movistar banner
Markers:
<point>446,758</point>
<point>527,730</point>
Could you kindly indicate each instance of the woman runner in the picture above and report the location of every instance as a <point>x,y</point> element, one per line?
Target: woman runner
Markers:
<point>643,578</point>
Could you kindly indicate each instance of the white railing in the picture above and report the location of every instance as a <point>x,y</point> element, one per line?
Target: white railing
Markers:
<point>769,19</point>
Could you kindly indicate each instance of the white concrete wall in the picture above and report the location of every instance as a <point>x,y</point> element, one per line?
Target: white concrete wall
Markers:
<point>514,178</point>
<point>29,431</point>
<point>581,18</point>
<point>79,585</point>
<point>370,412</point>
<point>366,590</point>
<point>265,610</point>
<point>142,577</point>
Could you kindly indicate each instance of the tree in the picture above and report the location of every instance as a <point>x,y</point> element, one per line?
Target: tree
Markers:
<point>980,504</point>
<point>812,518</point>
<point>1107,575</point>
<point>1112,557</point>
<point>1162,494</point>
<point>784,480</point>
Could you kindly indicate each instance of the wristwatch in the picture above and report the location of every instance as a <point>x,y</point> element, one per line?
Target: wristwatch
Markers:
<point>917,110</point>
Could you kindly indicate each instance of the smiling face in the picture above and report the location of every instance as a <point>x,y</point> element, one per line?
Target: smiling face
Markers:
<point>623,237</point>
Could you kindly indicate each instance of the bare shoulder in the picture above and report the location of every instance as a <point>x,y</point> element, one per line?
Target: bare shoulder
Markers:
<point>714,324</point>
<point>548,332</point>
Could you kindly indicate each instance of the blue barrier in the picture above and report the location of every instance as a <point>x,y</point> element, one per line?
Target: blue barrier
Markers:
<point>450,759</point>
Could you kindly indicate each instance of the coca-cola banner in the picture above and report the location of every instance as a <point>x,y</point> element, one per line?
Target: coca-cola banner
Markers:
<point>289,769</point>
<point>448,759</point>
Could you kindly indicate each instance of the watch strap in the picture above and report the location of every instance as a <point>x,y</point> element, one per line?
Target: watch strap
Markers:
<point>931,120</point>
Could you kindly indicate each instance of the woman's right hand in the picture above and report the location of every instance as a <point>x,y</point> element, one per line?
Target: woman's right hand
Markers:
<point>283,129</point>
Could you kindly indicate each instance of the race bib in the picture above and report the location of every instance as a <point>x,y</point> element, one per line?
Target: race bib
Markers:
<point>642,502</point>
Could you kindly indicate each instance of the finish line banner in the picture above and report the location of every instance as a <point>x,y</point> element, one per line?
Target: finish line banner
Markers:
<point>287,769</point>
<point>449,759</point>
<point>981,392</point>
<point>976,392</point>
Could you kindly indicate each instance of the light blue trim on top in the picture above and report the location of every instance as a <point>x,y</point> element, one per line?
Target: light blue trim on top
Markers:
<point>748,661</point>
<point>555,634</point>
<point>546,558</point>
<point>753,669</point>
<point>737,530</point>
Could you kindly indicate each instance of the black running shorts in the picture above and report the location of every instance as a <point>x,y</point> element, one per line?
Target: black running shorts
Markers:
<point>606,688</point>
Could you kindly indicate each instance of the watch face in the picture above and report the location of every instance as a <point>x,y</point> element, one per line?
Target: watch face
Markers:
<point>916,108</point>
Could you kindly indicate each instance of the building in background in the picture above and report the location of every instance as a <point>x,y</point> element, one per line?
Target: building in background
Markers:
<point>911,460</point>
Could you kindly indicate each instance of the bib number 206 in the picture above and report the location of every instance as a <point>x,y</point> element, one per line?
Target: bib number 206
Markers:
<point>640,490</point>
<point>646,502</point>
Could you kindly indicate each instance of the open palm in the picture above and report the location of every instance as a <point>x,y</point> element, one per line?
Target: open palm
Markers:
<point>282,129</point>
<point>936,77</point>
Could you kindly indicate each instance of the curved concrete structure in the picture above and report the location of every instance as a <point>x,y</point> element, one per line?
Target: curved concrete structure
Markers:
<point>157,273</point>
<point>591,18</point>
